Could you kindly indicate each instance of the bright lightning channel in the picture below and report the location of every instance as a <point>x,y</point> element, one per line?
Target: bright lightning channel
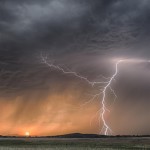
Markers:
<point>106,130</point>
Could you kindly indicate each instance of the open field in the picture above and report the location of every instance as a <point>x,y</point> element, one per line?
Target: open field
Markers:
<point>110,143</point>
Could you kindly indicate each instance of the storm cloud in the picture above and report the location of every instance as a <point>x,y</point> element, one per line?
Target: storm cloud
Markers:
<point>85,36</point>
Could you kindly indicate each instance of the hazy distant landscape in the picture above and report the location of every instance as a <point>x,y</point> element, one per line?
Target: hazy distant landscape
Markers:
<point>73,143</point>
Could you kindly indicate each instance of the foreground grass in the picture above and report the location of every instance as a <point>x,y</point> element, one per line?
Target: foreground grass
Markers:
<point>74,144</point>
<point>55,148</point>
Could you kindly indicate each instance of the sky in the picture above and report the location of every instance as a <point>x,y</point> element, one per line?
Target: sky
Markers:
<point>86,37</point>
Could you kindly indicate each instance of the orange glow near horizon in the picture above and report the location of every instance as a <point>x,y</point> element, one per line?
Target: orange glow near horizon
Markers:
<point>50,115</point>
<point>27,133</point>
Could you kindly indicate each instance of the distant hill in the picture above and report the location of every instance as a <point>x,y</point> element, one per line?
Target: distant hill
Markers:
<point>78,135</point>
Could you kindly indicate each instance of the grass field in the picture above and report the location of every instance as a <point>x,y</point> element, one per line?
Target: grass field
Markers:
<point>120,143</point>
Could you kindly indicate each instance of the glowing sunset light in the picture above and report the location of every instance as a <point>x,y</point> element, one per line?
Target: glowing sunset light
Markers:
<point>27,134</point>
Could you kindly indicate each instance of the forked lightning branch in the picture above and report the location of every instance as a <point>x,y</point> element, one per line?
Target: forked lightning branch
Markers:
<point>106,129</point>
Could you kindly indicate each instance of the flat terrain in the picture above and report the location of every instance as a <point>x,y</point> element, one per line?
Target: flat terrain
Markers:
<point>107,143</point>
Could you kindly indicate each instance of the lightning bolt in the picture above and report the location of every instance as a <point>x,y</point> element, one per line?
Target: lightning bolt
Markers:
<point>69,72</point>
<point>106,130</point>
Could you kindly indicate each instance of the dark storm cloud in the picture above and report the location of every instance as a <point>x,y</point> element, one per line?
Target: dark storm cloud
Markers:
<point>83,35</point>
<point>67,26</point>
<point>29,27</point>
